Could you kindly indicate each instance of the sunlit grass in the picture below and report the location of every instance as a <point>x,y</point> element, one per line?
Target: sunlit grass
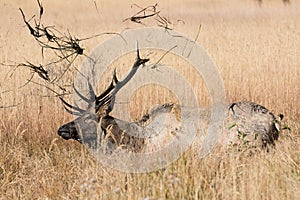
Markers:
<point>257,52</point>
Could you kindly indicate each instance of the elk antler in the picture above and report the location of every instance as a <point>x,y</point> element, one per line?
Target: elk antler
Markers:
<point>110,93</point>
<point>78,111</point>
<point>108,96</point>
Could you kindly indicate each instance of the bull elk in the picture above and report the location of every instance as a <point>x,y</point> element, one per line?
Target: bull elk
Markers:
<point>96,128</point>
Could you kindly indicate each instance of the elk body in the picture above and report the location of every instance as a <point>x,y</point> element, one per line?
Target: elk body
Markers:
<point>246,121</point>
<point>251,124</point>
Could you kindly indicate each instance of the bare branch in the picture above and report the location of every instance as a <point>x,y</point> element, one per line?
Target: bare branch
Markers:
<point>41,9</point>
<point>197,36</point>
<point>160,59</point>
<point>49,87</point>
<point>151,12</point>
<point>65,46</point>
<point>10,106</point>
<point>40,70</point>
<point>144,13</point>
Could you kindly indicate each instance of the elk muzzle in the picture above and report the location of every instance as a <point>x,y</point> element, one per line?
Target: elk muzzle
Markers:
<point>69,131</point>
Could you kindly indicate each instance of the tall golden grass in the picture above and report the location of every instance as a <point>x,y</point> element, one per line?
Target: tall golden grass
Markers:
<point>256,49</point>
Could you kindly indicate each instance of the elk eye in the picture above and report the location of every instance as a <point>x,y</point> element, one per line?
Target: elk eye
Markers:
<point>87,120</point>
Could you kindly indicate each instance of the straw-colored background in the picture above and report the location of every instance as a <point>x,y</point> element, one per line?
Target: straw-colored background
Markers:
<point>256,48</point>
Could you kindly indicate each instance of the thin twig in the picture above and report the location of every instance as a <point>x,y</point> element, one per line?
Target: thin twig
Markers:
<point>197,36</point>
<point>160,59</point>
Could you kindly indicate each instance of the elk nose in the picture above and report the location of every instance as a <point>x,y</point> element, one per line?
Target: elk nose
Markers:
<point>64,132</point>
<point>69,131</point>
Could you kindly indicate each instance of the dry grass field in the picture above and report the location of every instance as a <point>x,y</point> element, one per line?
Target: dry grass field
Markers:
<point>256,49</point>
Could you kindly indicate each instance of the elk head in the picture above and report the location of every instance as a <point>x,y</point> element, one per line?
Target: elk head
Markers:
<point>96,117</point>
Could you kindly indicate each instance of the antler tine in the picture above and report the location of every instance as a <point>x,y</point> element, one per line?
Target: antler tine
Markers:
<point>115,78</point>
<point>104,97</point>
<point>91,91</point>
<point>80,111</point>
<point>108,96</point>
<point>72,112</point>
<point>137,51</point>
<point>139,61</point>
<point>120,84</point>
<point>106,92</point>
<point>80,95</point>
